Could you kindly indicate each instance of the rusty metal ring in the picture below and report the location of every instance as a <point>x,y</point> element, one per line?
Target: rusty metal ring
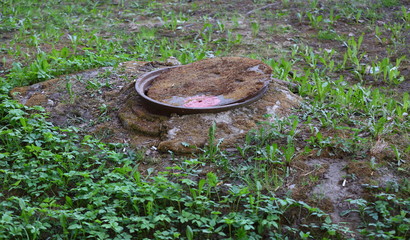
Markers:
<point>143,82</point>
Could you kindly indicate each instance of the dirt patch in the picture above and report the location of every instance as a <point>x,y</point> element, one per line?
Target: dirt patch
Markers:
<point>104,102</point>
<point>334,188</point>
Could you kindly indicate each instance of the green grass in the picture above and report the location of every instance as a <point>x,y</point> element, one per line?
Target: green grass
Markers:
<point>59,184</point>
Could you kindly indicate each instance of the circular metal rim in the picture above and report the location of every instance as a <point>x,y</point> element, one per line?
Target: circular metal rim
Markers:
<point>145,80</point>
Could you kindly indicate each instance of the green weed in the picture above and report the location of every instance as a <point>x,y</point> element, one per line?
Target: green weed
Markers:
<point>91,190</point>
<point>354,56</point>
<point>387,72</point>
<point>314,20</point>
<point>385,217</point>
<point>255,26</point>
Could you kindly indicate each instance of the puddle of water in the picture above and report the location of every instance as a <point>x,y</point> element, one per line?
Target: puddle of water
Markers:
<point>199,101</point>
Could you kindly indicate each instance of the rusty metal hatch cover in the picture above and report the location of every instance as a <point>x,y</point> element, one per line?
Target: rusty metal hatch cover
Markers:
<point>207,86</point>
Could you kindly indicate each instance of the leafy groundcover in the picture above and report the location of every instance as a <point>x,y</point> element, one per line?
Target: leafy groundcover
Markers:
<point>58,186</point>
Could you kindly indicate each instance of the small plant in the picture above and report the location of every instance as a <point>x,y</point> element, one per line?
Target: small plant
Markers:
<point>221,26</point>
<point>207,32</point>
<point>93,84</point>
<point>354,56</point>
<point>314,20</point>
<point>379,126</point>
<point>255,26</point>
<point>320,142</point>
<point>384,218</point>
<point>313,4</point>
<point>69,87</point>
<point>171,20</point>
<point>405,14</point>
<point>332,17</point>
<point>235,20</point>
<point>358,16</point>
<point>281,69</point>
<point>288,153</point>
<point>396,30</point>
<point>75,42</point>
<point>211,150</point>
<point>328,35</point>
<point>300,17</point>
<point>378,34</point>
<point>398,156</point>
<point>389,3</point>
<point>233,39</point>
<point>390,73</point>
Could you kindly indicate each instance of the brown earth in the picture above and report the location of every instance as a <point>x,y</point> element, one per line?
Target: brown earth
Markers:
<point>104,102</point>
<point>234,78</point>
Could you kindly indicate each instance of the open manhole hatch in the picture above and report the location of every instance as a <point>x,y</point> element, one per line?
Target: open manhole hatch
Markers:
<point>207,86</point>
